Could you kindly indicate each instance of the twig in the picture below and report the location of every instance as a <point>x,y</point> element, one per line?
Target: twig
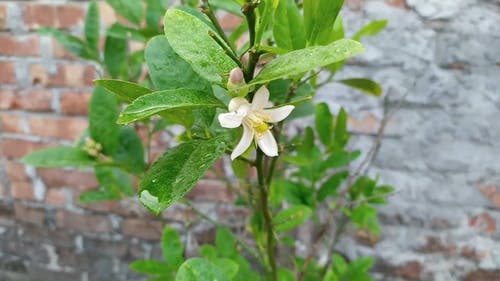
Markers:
<point>207,10</point>
<point>220,225</point>
<point>362,168</point>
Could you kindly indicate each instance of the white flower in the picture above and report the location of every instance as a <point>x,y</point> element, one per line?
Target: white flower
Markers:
<point>254,117</point>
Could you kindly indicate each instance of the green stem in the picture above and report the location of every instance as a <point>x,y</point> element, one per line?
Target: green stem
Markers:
<point>207,10</point>
<point>219,225</point>
<point>249,12</point>
<point>268,219</point>
<point>227,50</point>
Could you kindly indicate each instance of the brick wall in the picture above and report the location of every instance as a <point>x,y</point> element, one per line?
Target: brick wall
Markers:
<point>440,150</point>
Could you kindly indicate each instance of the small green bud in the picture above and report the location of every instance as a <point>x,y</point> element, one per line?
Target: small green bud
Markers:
<point>236,86</point>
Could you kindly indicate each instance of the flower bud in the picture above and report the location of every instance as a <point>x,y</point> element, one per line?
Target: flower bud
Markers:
<point>236,86</point>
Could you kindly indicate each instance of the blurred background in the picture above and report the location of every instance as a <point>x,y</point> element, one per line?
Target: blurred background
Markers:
<point>438,60</point>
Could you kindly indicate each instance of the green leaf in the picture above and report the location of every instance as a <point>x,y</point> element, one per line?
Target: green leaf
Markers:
<point>103,113</point>
<point>339,158</point>
<point>156,102</point>
<point>173,250</point>
<point>151,267</point>
<point>373,28</point>
<point>365,216</point>
<point>154,12</point>
<point>319,17</point>
<point>230,6</point>
<point>97,195</point>
<point>132,10</point>
<point>114,181</point>
<point>130,151</point>
<point>324,123</point>
<point>126,91</point>
<point>116,51</point>
<point>92,26</point>
<point>288,27</point>
<point>208,251</point>
<point>339,264</point>
<point>304,60</point>
<point>330,187</point>
<point>225,242</point>
<point>341,136</point>
<point>190,39</point>
<point>168,70</point>
<point>177,171</point>
<point>72,43</point>
<point>228,267</point>
<point>286,275</point>
<point>364,185</point>
<point>198,269</point>
<point>61,156</point>
<point>366,85</point>
<point>291,218</point>
<point>136,62</point>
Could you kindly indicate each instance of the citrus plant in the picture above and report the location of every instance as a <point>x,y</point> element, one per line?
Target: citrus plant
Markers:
<point>233,94</point>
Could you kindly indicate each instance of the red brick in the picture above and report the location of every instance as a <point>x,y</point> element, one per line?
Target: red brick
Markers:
<point>146,229</point>
<point>67,75</point>
<point>397,3</point>
<point>39,15</point>
<point>491,191</point>
<point>15,171</point>
<point>11,45</point>
<point>369,124</point>
<point>180,213</point>
<point>68,178</point>
<point>436,245</point>
<point>103,207</point>
<point>22,190</point>
<point>474,254</point>
<point>60,52</point>
<point>75,103</point>
<point>12,148</point>
<point>30,100</point>
<point>410,270</point>
<point>229,21</point>
<point>83,222</point>
<point>7,73</point>
<point>107,14</point>
<point>217,169</point>
<point>354,4</point>
<point>211,190</point>
<point>30,215</point>
<point>59,16</point>
<point>70,15</point>
<point>10,123</point>
<point>483,275</point>
<point>61,128</point>
<point>484,223</point>
<point>56,197</point>
<point>3,17</point>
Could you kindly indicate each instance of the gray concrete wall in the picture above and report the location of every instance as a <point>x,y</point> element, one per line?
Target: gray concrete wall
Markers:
<point>441,149</point>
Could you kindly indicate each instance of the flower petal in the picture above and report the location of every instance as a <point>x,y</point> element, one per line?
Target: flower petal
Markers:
<point>245,142</point>
<point>260,99</point>
<point>230,120</point>
<point>268,144</point>
<point>279,113</point>
<point>236,103</point>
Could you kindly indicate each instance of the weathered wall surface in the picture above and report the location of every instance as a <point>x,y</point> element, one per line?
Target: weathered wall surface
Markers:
<point>440,149</point>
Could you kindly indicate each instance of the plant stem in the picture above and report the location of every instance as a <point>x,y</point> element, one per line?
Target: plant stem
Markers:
<point>268,219</point>
<point>249,12</point>
<point>219,225</point>
<point>227,50</point>
<point>207,10</point>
